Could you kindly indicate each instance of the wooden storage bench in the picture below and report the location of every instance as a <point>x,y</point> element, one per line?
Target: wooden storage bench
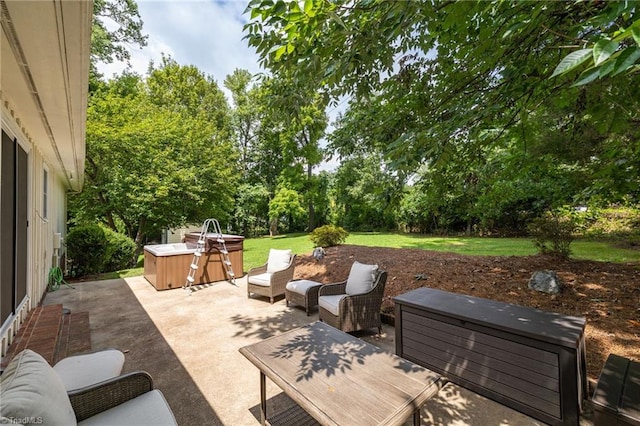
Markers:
<point>616,400</point>
<point>526,359</point>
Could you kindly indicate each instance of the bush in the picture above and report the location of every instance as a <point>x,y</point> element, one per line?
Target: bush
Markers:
<point>86,249</point>
<point>120,251</point>
<point>328,235</point>
<point>553,232</point>
<point>614,221</point>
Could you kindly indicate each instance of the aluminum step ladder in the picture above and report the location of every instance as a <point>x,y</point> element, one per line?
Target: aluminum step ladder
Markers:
<point>201,244</point>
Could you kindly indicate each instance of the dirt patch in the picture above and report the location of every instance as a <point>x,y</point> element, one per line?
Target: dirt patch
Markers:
<point>606,294</point>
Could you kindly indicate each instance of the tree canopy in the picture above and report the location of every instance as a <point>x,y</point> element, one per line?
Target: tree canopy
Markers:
<point>461,116</point>
<point>112,44</point>
<point>435,83</point>
<point>159,152</point>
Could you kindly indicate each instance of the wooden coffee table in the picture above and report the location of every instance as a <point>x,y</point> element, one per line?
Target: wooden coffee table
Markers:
<point>338,379</point>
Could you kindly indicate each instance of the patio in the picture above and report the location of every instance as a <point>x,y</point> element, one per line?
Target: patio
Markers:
<point>189,344</point>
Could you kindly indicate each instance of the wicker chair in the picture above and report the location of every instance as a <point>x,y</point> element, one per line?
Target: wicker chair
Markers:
<point>355,312</point>
<point>111,394</point>
<point>31,389</point>
<point>262,283</point>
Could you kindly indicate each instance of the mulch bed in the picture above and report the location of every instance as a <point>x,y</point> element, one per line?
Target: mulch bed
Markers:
<point>607,294</point>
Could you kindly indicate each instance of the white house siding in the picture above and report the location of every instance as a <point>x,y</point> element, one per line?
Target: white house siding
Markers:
<point>42,229</point>
<point>44,68</point>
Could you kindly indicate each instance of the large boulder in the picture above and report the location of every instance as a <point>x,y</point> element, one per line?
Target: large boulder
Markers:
<point>546,282</point>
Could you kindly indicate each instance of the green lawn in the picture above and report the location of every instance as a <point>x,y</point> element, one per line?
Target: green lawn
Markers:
<point>256,250</point>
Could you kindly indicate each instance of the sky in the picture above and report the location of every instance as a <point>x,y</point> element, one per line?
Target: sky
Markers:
<point>204,33</point>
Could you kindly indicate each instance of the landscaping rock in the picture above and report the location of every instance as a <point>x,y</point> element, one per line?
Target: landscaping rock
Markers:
<point>546,282</point>
<point>318,253</point>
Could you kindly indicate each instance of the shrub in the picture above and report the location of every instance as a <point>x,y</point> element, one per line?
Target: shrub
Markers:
<point>614,221</point>
<point>86,249</point>
<point>120,251</point>
<point>328,235</point>
<point>553,232</point>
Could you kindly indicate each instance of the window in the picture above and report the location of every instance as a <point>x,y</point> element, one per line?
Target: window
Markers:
<point>45,194</point>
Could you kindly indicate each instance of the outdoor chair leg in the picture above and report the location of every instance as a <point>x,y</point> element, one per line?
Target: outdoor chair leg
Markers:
<point>416,417</point>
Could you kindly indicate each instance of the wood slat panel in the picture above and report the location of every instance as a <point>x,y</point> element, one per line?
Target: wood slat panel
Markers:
<point>460,364</point>
<point>325,370</point>
<point>540,359</point>
<point>630,406</point>
<point>485,364</point>
<point>520,356</point>
<point>524,358</point>
<point>320,383</point>
<point>469,377</point>
<point>550,327</point>
<point>167,272</point>
<point>609,389</point>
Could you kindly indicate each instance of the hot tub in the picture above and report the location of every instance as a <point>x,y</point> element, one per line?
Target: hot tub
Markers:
<point>166,266</point>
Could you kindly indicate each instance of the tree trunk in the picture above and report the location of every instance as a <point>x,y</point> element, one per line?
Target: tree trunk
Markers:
<point>312,212</point>
<point>111,223</point>
<point>139,239</point>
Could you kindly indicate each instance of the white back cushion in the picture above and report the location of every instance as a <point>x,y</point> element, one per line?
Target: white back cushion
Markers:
<point>78,371</point>
<point>278,260</point>
<point>361,278</point>
<point>32,389</point>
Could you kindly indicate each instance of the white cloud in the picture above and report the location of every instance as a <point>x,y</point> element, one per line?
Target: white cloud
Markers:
<point>204,33</point>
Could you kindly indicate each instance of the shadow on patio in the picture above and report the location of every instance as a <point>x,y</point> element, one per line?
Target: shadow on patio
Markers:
<point>118,320</point>
<point>189,344</point>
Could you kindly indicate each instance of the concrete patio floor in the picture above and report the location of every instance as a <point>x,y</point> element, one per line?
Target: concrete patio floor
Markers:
<point>189,344</point>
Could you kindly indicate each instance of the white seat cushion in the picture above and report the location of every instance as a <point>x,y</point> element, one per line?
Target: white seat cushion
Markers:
<point>261,279</point>
<point>331,303</point>
<point>278,260</point>
<point>150,408</point>
<point>30,388</point>
<point>83,370</point>
<point>361,278</point>
<point>301,286</point>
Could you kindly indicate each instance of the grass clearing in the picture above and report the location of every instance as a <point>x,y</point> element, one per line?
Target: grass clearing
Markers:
<point>256,250</point>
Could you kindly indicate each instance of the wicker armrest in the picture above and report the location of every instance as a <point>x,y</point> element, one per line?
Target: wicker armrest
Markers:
<point>333,289</point>
<point>89,401</point>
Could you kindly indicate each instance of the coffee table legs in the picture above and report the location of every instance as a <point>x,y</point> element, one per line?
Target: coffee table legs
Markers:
<point>263,403</point>
<point>263,399</point>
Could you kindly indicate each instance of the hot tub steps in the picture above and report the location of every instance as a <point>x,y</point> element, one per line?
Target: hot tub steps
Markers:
<point>200,247</point>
